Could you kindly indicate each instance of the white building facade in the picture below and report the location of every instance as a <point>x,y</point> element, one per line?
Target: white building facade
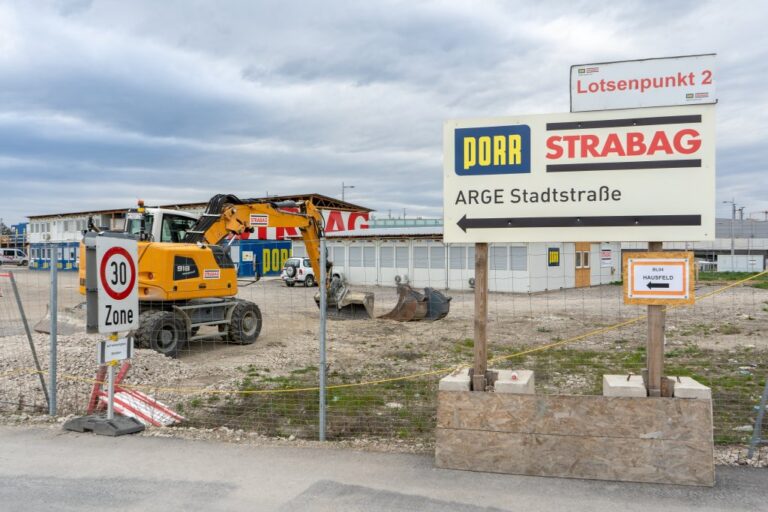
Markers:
<point>384,257</point>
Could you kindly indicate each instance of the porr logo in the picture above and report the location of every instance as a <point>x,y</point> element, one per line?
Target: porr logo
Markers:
<point>493,150</point>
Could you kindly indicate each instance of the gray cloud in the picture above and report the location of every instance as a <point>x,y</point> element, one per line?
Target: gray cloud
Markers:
<point>103,102</point>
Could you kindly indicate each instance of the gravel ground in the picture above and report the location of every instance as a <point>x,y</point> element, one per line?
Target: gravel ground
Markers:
<point>737,318</point>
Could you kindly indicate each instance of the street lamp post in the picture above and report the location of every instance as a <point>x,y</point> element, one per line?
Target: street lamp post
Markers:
<point>343,188</point>
<point>733,219</point>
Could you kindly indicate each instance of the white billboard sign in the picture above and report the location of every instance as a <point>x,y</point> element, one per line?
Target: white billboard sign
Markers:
<point>643,83</point>
<point>117,277</point>
<point>632,175</point>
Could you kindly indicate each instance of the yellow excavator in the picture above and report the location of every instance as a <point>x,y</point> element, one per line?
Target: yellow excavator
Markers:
<point>192,283</point>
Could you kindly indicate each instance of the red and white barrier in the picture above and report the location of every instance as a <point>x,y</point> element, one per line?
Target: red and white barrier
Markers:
<point>131,403</point>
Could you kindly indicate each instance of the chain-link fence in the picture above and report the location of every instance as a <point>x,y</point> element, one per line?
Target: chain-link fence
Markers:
<point>383,374</point>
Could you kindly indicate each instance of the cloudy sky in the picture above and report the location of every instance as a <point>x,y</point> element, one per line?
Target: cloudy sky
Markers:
<point>104,102</point>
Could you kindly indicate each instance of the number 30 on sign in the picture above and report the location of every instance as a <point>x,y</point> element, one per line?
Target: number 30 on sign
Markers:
<point>117,271</point>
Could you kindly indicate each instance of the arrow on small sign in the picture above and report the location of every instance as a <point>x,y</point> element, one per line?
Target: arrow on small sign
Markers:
<point>651,286</point>
<point>574,222</point>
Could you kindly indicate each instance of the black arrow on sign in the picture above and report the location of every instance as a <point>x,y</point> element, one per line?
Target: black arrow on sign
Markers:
<point>575,222</point>
<point>651,286</point>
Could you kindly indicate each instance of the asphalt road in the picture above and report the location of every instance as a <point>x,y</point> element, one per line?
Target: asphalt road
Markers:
<point>43,469</point>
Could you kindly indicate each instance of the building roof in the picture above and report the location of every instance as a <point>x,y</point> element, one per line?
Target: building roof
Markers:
<point>319,200</point>
<point>397,232</point>
<point>746,228</point>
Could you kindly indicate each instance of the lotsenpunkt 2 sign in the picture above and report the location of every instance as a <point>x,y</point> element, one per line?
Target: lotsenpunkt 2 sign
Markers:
<point>631,175</point>
<point>671,81</point>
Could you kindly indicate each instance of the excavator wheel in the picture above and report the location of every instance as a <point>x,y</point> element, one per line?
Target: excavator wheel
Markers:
<point>246,323</point>
<point>162,331</point>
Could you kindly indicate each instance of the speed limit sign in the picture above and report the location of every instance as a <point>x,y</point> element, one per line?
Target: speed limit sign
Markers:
<point>117,275</point>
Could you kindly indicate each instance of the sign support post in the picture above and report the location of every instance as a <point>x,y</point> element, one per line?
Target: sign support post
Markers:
<point>54,308</point>
<point>111,383</point>
<point>655,347</point>
<point>323,315</point>
<point>481,317</point>
<point>658,279</point>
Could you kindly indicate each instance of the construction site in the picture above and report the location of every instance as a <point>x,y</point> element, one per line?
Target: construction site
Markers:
<point>379,257</point>
<point>383,373</point>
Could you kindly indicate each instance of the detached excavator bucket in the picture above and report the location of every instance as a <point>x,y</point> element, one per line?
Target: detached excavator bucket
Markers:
<point>412,305</point>
<point>344,304</point>
<point>69,321</point>
<point>438,304</point>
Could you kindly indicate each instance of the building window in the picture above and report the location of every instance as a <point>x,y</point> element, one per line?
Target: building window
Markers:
<point>355,256</point>
<point>582,259</point>
<point>458,258</point>
<point>518,257</point>
<point>338,256</point>
<point>369,256</point>
<point>420,257</point>
<point>437,257</point>
<point>401,257</point>
<point>299,251</point>
<point>387,257</point>
<point>498,258</point>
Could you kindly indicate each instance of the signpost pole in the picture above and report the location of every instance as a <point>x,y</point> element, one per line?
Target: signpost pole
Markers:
<point>53,307</point>
<point>111,403</point>
<point>323,313</point>
<point>29,336</point>
<point>655,346</point>
<point>481,317</point>
<point>111,381</point>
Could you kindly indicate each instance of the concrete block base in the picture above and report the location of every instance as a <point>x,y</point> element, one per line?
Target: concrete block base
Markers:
<point>507,381</point>
<point>686,387</point>
<point>515,381</point>
<point>624,385</point>
<point>634,439</point>
<point>457,381</point>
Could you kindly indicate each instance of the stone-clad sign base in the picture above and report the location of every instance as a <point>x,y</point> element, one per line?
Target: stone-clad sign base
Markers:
<point>656,440</point>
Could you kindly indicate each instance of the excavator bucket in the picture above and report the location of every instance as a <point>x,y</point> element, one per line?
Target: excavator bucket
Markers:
<point>438,304</point>
<point>68,321</point>
<point>344,304</point>
<point>412,305</point>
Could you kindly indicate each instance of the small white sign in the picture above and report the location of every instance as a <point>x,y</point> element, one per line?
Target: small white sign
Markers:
<point>259,219</point>
<point>117,350</point>
<point>658,279</point>
<point>117,277</point>
<point>247,256</point>
<point>661,82</point>
<point>606,261</point>
<point>211,273</point>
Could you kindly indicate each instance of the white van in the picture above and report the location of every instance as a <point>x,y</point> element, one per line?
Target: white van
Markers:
<point>13,257</point>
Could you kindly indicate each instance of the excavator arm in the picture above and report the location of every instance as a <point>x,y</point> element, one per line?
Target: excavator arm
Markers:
<point>227,215</point>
